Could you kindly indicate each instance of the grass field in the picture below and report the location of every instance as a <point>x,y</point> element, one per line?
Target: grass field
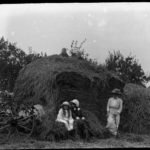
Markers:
<point>125,140</point>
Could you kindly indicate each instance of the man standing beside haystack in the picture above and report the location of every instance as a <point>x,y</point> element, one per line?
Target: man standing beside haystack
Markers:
<point>114,108</point>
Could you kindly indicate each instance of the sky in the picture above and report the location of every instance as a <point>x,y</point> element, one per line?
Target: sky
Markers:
<point>106,27</point>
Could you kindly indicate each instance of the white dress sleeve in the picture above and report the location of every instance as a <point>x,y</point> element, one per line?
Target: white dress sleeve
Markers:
<point>60,115</point>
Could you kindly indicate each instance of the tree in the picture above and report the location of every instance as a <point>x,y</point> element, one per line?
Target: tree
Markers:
<point>12,59</point>
<point>127,68</point>
<point>32,56</point>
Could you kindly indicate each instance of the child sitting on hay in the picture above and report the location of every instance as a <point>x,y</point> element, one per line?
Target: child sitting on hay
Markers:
<point>64,125</point>
<point>80,125</point>
<point>76,111</point>
<point>65,116</point>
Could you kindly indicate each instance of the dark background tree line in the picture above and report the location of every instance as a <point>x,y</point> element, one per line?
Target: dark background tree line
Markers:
<point>12,59</point>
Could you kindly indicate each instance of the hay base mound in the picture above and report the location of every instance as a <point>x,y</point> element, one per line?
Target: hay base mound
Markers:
<point>135,139</point>
<point>83,129</point>
<point>58,132</point>
<point>95,126</point>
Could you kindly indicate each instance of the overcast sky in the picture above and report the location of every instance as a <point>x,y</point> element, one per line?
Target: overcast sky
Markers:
<point>106,26</point>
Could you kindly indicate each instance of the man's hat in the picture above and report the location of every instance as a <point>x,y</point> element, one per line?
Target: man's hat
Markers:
<point>76,102</point>
<point>116,91</point>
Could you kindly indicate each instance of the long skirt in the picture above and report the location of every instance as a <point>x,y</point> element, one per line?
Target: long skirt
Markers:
<point>68,124</point>
<point>81,129</point>
<point>113,123</point>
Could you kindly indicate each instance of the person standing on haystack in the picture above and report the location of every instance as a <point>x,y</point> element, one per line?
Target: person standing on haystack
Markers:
<point>114,108</point>
<point>64,52</point>
<point>65,116</point>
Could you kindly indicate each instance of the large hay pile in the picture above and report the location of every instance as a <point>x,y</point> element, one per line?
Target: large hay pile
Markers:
<point>136,112</point>
<point>53,79</point>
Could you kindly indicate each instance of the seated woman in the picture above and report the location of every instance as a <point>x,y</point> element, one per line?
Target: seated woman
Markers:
<point>65,116</point>
<point>81,125</point>
<point>76,111</point>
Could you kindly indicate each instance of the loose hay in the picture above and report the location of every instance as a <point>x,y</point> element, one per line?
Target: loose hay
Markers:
<point>135,139</point>
<point>135,117</point>
<point>95,127</point>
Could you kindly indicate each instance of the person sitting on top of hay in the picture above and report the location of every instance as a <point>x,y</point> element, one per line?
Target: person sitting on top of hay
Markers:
<point>81,126</point>
<point>76,110</point>
<point>114,108</point>
<point>64,52</point>
<point>65,116</point>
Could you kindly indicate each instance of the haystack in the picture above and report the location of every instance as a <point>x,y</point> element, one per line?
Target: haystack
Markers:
<point>136,113</point>
<point>50,81</point>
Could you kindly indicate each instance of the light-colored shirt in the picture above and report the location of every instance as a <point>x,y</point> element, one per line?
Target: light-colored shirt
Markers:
<point>115,104</point>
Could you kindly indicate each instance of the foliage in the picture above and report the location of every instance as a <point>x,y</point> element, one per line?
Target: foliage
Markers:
<point>76,50</point>
<point>12,59</point>
<point>127,68</point>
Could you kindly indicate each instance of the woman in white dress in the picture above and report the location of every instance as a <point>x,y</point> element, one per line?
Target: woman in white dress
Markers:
<point>114,108</point>
<point>65,116</point>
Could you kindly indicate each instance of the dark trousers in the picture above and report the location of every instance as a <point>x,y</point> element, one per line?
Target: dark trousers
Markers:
<point>81,129</point>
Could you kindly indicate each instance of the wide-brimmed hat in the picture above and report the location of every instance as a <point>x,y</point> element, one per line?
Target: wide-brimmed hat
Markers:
<point>116,91</point>
<point>65,104</point>
<point>76,102</point>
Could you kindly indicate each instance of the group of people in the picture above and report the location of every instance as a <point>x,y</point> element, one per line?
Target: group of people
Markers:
<point>69,112</point>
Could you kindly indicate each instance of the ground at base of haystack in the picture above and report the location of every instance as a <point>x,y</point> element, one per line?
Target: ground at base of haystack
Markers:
<point>126,140</point>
